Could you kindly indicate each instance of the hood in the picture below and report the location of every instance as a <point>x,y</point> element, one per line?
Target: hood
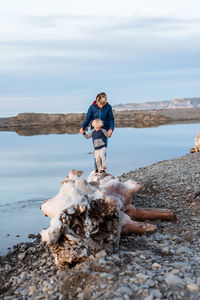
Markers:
<point>95,103</point>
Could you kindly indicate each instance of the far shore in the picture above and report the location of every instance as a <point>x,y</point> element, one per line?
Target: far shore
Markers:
<point>41,123</point>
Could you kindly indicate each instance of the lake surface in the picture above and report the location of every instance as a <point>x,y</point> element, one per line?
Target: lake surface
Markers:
<point>31,168</point>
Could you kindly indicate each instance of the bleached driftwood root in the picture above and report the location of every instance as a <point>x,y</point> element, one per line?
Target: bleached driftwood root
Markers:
<point>88,216</point>
<point>196,144</point>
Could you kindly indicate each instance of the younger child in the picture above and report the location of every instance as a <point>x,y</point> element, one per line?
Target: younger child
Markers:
<point>99,137</point>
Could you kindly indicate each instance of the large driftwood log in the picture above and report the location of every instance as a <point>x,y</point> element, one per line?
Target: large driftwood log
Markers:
<point>89,216</point>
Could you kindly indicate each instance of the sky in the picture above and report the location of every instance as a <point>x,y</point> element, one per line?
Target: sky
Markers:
<point>57,55</point>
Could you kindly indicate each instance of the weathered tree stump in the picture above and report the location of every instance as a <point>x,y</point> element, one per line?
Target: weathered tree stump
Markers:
<point>89,216</point>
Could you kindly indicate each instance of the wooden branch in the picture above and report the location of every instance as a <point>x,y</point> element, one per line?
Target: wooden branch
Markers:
<point>141,214</point>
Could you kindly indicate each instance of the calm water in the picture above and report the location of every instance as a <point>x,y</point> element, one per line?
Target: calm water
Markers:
<point>31,168</point>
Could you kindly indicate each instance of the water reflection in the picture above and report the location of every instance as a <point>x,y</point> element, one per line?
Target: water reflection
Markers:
<point>74,129</point>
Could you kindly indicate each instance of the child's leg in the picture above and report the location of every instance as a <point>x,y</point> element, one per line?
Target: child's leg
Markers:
<point>103,157</point>
<point>95,165</point>
<point>98,159</point>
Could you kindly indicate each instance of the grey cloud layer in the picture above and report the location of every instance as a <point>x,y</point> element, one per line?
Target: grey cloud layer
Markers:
<point>105,50</point>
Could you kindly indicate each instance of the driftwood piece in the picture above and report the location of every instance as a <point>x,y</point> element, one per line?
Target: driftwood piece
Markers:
<point>89,216</point>
<point>196,144</point>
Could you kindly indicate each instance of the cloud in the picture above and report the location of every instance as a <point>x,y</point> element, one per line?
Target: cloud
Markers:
<point>62,37</point>
<point>161,25</point>
<point>153,8</point>
<point>55,53</point>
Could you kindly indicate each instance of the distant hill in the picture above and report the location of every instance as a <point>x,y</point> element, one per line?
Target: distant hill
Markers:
<point>175,103</point>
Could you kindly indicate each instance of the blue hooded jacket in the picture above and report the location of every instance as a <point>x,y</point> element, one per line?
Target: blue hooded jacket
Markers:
<point>105,114</point>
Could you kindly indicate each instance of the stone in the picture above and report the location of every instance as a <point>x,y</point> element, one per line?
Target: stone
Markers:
<point>192,287</point>
<point>32,290</point>
<point>100,254</point>
<point>175,271</point>
<point>165,250</point>
<point>156,265</point>
<point>182,250</point>
<point>104,274</point>
<point>150,297</point>
<point>21,256</point>
<point>172,279</point>
<point>150,283</point>
<point>124,290</point>
<point>141,277</point>
<point>156,293</point>
<point>25,292</point>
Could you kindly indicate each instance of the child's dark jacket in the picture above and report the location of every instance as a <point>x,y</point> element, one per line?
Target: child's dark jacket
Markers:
<point>105,114</point>
<point>99,138</point>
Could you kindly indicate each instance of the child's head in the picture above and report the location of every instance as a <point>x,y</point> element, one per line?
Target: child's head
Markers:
<point>97,124</point>
<point>101,99</point>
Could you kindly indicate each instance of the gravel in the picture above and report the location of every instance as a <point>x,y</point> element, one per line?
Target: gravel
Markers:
<point>163,265</point>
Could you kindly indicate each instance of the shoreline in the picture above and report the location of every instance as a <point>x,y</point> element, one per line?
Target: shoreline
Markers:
<point>40,123</point>
<point>164,265</point>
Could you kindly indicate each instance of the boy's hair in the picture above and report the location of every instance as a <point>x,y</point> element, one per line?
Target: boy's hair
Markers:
<point>101,98</point>
<point>97,122</point>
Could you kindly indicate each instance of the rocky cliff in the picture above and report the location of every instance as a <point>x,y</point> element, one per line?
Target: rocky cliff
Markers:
<point>171,104</point>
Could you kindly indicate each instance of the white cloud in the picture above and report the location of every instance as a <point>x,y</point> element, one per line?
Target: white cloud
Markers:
<point>103,8</point>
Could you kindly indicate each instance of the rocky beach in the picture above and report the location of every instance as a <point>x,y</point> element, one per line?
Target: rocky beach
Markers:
<point>163,265</point>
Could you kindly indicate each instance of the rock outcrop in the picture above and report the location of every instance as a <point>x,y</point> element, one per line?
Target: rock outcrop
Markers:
<point>34,123</point>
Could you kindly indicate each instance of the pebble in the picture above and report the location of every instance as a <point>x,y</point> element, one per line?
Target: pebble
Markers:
<point>172,279</point>
<point>156,293</point>
<point>150,283</point>
<point>21,256</point>
<point>124,290</point>
<point>156,265</point>
<point>141,277</point>
<point>101,253</point>
<point>192,287</point>
<point>150,297</point>
<point>32,290</point>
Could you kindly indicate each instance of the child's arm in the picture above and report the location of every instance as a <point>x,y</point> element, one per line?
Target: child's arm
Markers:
<point>89,135</point>
<point>105,132</point>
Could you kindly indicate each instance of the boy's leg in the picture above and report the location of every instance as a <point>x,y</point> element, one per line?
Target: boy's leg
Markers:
<point>103,158</point>
<point>95,165</point>
<point>101,162</point>
<point>97,159</point>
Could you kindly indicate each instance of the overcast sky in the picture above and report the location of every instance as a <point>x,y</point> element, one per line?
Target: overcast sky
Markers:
<point>60,54</point>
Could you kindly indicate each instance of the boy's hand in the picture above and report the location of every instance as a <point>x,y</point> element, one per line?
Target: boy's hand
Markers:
<point>110,132</point>
<point>82,131</point>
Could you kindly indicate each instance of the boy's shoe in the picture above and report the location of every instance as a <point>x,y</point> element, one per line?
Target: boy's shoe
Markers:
<point>96,171</point>
<point>102,171</point>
